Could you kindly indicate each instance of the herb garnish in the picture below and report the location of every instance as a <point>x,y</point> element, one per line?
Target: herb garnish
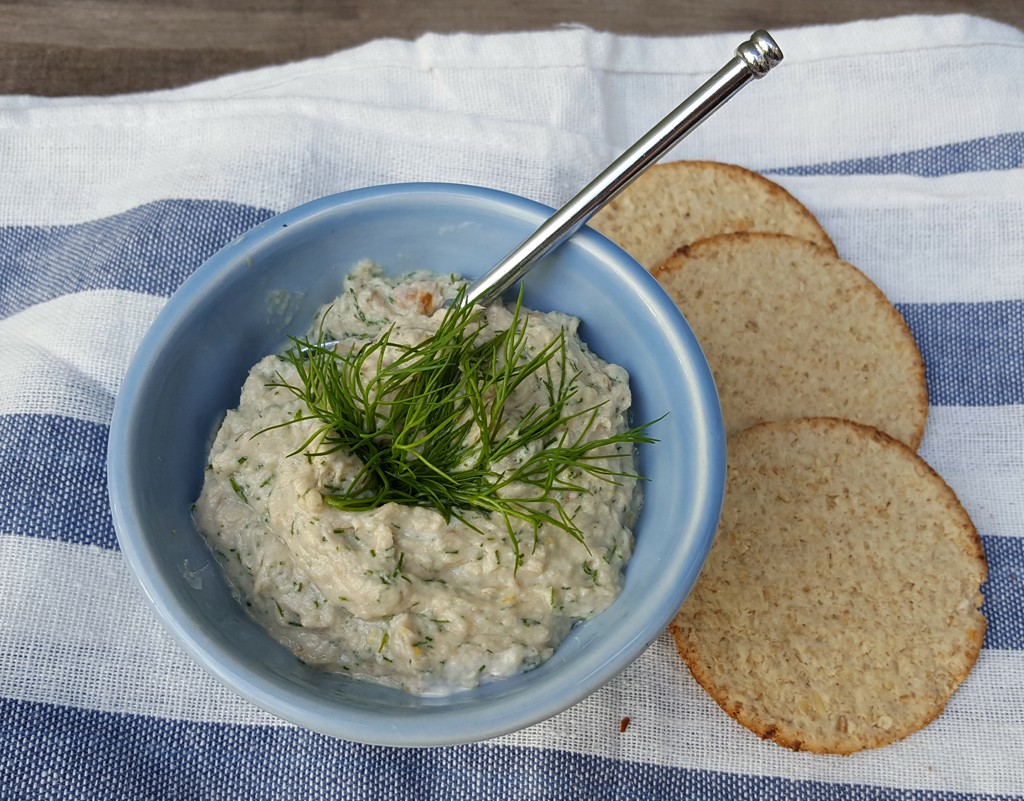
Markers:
<point>428,422</point>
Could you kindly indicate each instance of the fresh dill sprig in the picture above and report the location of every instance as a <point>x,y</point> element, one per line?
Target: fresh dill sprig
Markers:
<point>429,423</point>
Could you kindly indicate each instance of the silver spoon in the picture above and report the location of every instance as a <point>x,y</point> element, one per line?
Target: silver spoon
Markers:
<point>753,59</point>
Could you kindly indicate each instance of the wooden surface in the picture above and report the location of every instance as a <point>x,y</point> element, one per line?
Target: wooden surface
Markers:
<point>78,47</point>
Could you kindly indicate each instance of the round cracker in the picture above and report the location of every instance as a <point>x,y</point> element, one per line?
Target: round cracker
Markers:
<point>677,203</point>
<point>839,608</point>
<point>791,330</point>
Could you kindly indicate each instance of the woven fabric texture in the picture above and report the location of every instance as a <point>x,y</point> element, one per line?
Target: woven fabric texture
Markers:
<point>904,136</point>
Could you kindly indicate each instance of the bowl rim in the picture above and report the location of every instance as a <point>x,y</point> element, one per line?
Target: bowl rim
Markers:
<point>474,723</point>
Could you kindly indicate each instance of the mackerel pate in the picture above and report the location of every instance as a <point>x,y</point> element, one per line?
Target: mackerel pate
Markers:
<point>399,594</point>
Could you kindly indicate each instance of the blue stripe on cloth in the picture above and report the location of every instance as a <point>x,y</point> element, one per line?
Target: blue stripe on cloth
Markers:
<point>56,752</point>
<point>1000,152</point>
<point>53,479</point>
<point>973,352</point>
<point>53,486</point>
<point>1004,593</point>
<point>151,248</point>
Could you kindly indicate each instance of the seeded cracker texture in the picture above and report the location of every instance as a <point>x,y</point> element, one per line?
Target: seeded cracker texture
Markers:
<point>839,608</point>
<point>790,330</point>
<point>676,203</point>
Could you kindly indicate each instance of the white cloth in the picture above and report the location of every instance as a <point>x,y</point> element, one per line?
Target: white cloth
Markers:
<point>904,136</point>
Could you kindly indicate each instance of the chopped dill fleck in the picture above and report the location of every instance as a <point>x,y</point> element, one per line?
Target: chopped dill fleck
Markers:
<point>358,310</point>
<point>238,489</point>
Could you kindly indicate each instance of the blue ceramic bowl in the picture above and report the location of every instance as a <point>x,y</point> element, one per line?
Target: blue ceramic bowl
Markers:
<point>242,304</point>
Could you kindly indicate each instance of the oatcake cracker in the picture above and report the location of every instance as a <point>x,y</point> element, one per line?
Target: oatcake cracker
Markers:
<point>839,607</point>
<point>678,202</point>
<point>790,330</point>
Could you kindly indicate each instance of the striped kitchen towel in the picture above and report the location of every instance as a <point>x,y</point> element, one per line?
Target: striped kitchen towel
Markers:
<point>904,136</point>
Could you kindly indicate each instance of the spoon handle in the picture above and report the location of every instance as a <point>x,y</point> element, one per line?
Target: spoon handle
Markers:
<point>753,59</point>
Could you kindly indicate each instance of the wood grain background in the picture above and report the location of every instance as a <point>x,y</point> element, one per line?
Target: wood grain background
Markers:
<point>81,47</point>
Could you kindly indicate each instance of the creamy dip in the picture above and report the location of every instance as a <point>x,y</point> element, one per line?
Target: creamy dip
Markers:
<point>397,594</point>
